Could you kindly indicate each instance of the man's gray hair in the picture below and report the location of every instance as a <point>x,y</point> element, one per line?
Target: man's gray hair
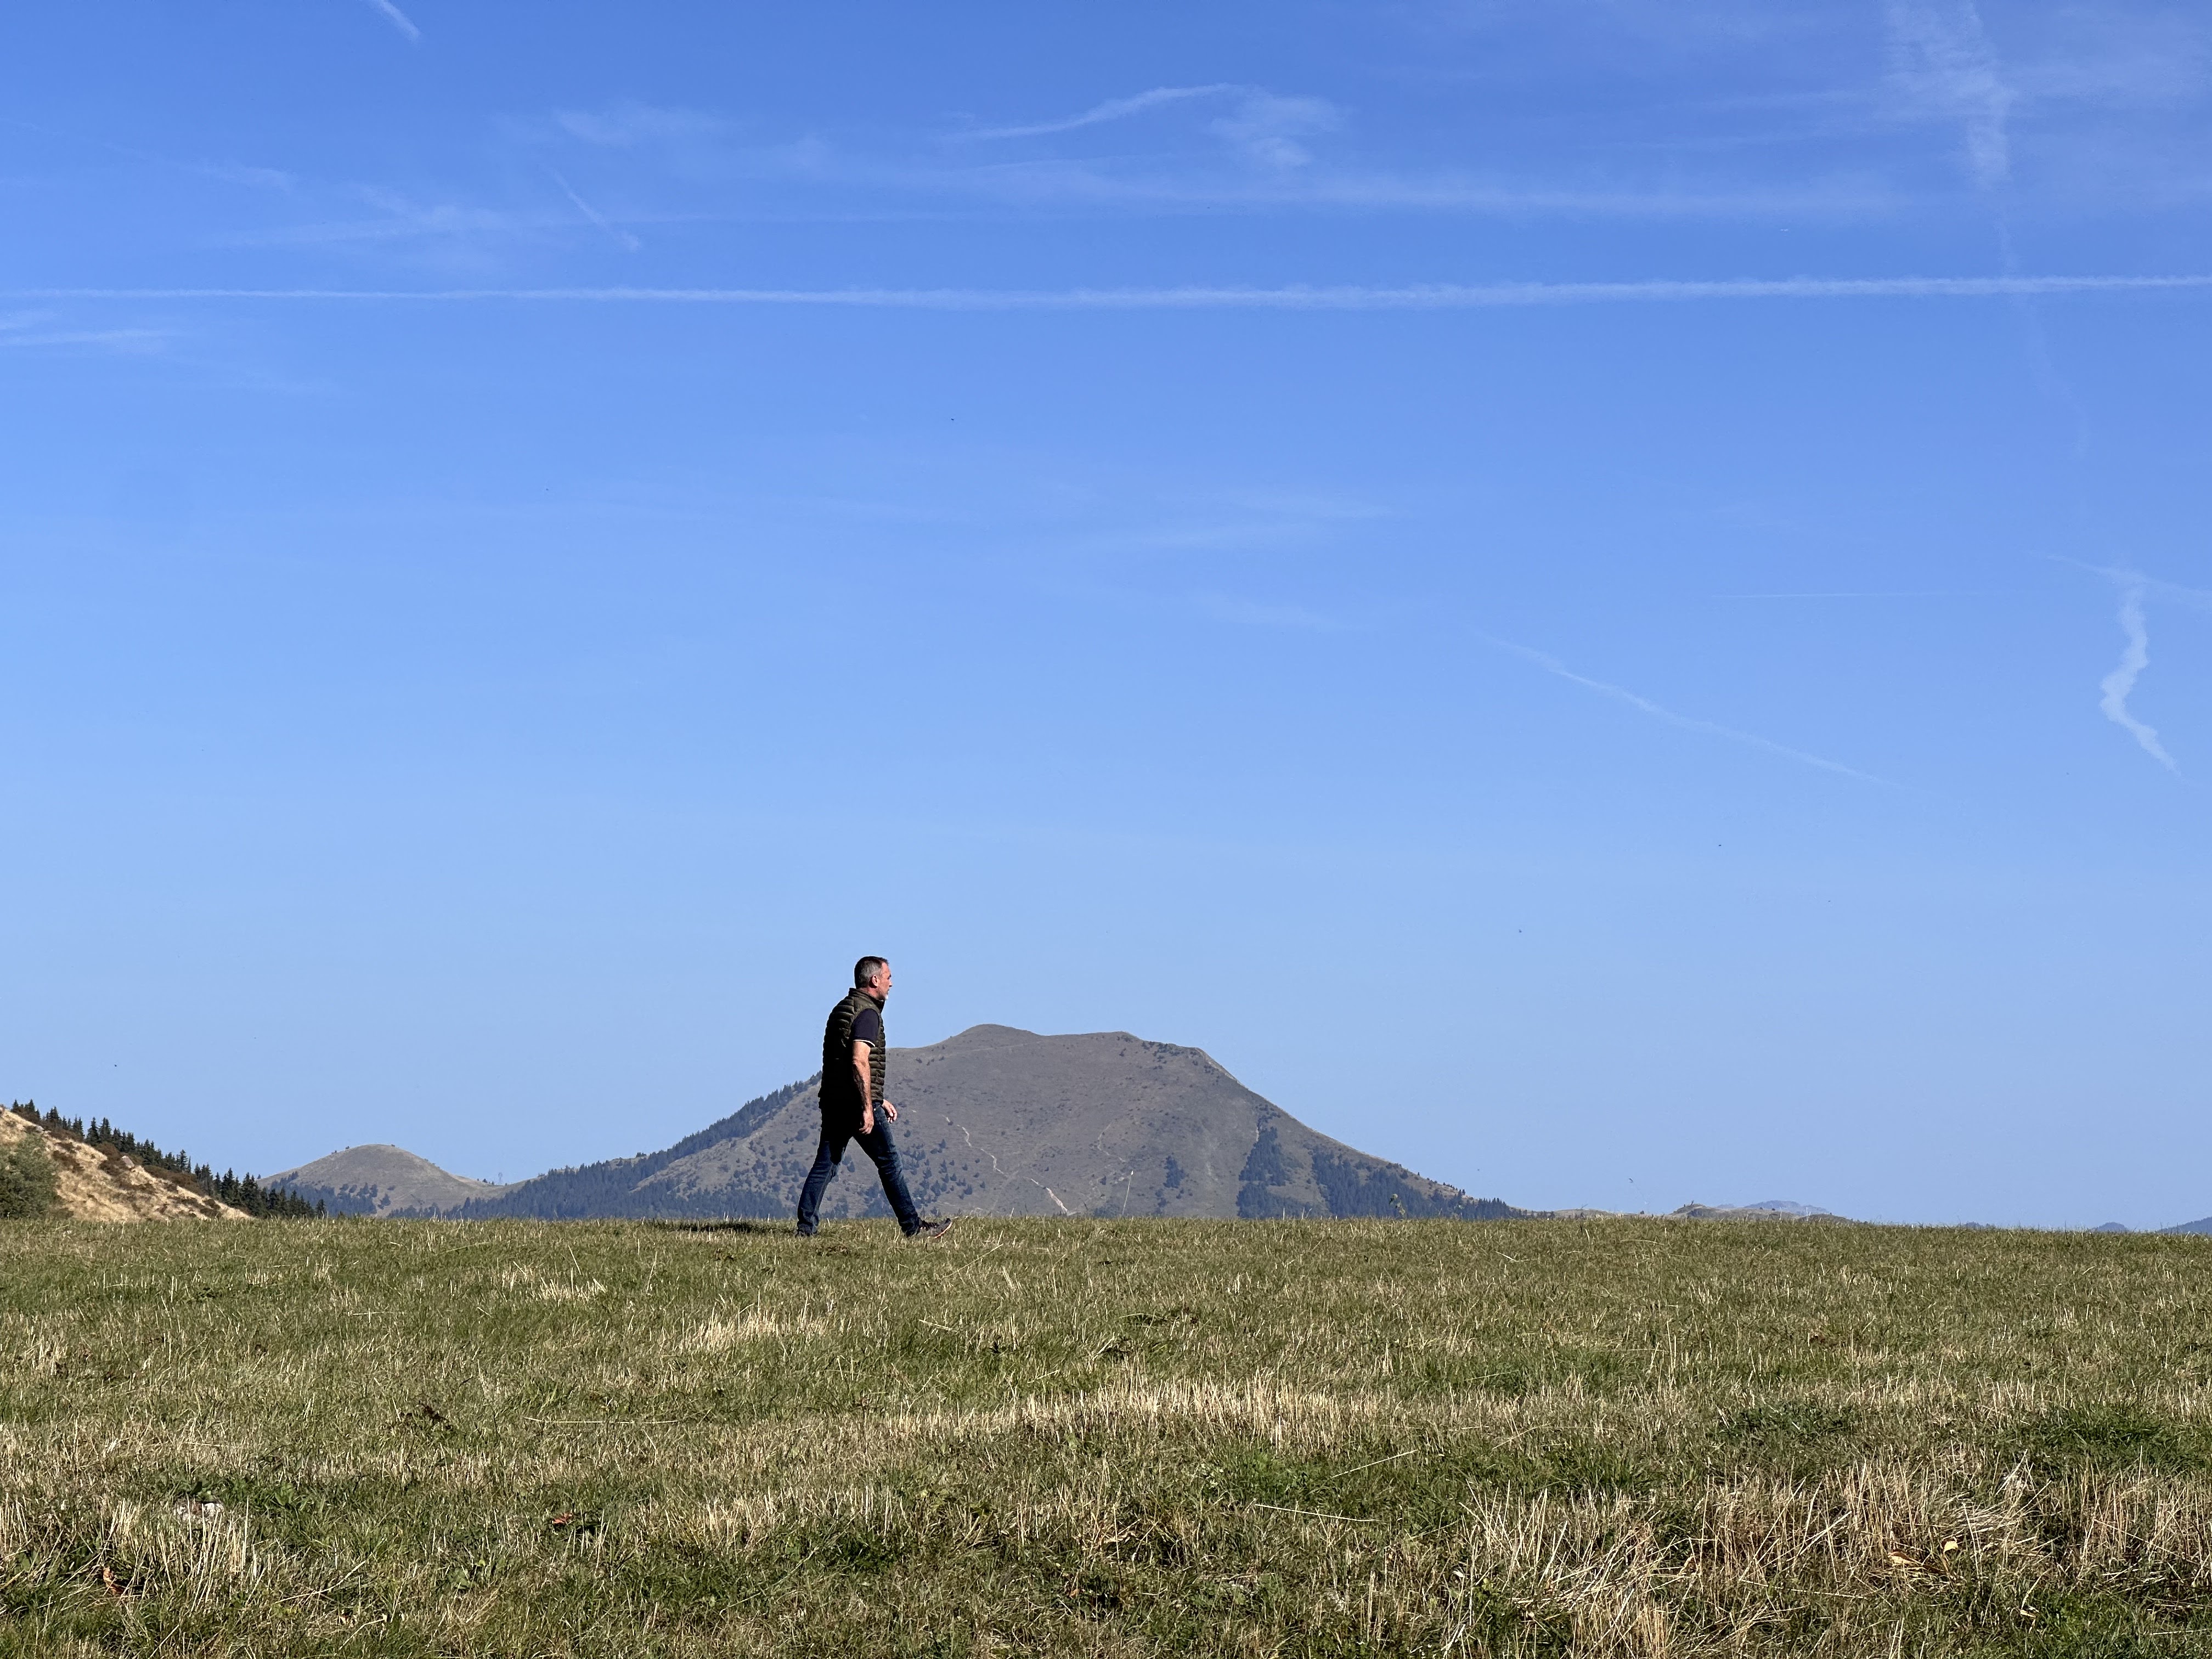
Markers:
<point>866,970</point>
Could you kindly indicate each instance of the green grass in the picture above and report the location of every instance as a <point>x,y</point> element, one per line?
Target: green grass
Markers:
<point>1110,1439</point>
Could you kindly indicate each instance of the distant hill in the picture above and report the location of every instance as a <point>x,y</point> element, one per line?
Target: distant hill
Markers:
<point>1771,1209</point>
<point>103,1183</point>
<point>382,1180</point>
<point>2203,1226</point>
<point>1001,1121</point>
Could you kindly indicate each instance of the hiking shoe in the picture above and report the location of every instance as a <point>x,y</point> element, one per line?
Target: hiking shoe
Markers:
<point>930,1230</point>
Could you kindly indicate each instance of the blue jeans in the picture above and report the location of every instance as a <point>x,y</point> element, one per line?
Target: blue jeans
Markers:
<point>877,1144</point>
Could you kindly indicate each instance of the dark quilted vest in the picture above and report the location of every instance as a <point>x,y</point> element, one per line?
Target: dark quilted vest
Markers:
<point>837,1091</point>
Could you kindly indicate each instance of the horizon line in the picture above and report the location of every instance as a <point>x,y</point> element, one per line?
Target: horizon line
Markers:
<point>1432,296</point>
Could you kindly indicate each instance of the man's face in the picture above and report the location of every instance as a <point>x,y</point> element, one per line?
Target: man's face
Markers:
<point>880,987</point>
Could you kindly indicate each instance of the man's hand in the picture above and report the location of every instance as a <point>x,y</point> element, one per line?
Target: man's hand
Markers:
<point>890,1112</point>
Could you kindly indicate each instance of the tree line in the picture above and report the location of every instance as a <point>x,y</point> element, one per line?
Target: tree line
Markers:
<point>239,1192</point>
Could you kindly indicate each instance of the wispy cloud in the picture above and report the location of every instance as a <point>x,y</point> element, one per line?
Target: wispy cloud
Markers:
<point>1438,296</point>
<point>228,172</point>
<point>398,218</point>
<point>33,329</point>
<point>235,173</point>
<point>2114,689</point>
<point>1263,127</point>
<point>619,236</point>
<point>135,340</point>
<point>1942,61</point>
<point>620,127</point>
<point>1113,109</point>
<point>1290,185</point>
<point>398,19</point>
<point>1552,665</point>
<point>1260,157</point>
<point>1819,139</point>
<point>1860,593</point>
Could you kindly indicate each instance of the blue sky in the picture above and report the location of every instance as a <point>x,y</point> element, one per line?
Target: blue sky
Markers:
<point>1608,600</point>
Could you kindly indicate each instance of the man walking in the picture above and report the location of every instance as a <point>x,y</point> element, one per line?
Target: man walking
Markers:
<point>852,1103</point>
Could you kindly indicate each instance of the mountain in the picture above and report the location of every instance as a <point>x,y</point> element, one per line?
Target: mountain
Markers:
<point>1771,1209</point>
<point>101,1183</point>
<point>2203,1226</point>
<point>383,1180</point>
<point>1774,1209</point>
<point>999,1121</point>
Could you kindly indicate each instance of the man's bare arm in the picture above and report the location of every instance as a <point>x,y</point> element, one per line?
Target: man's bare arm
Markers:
<point>867,1080</point>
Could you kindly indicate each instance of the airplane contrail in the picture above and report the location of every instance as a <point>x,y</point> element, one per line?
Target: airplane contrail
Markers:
<point>399,20</point>
<point>1552,665</point>
<point>1432,296</point>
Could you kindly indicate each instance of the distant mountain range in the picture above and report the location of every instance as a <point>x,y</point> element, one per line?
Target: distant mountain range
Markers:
<point>993,1121</point>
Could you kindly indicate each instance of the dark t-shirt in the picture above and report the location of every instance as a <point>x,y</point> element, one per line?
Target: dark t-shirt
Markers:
<point>868,1028</point>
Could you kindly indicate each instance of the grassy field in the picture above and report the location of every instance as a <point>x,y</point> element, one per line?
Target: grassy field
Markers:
<point>1113,1438</point>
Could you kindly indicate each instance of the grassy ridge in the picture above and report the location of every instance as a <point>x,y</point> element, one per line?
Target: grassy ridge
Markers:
<point>1112,1438</point>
